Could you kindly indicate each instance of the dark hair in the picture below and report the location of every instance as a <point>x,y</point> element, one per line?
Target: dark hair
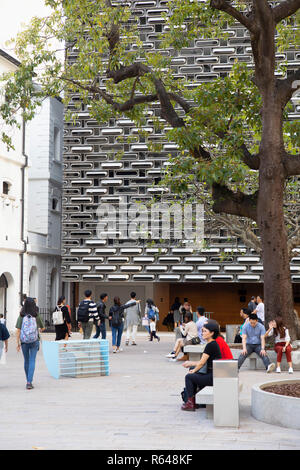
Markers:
<point>260,296</point>
<point>88,293</point>
<point>29,308</point>
<point>253,297</point>
<point>213,327</point>
<point>117,300</point>
<point>188,316</point>
<point>150,302</point>
<point>280,329</point>
<point>177,299</point>
<point>246,311</point>
<point>185,299</point>
<point>102,296</point>
<point>61,299</point>
<point>253,316</point>
<point>133,295</point>
<point>201,310</point>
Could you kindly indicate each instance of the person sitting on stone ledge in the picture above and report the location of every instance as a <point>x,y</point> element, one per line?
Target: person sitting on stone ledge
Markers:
<point>253,339</point>
<point>282,342</point>
<point>190,332</point>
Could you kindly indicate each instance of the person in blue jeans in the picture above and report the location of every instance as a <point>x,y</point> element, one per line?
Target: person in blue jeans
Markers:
<point>28,325</point>
<point>116,318</point>
<point>101,306</point>
<point>253,339</point>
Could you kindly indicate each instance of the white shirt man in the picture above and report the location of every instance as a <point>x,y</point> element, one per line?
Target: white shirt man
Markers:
<point>260,309</point>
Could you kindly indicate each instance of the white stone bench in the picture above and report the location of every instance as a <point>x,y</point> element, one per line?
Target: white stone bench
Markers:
<point>222,399</point>
<point>194,351</point>
<point>254,362</point>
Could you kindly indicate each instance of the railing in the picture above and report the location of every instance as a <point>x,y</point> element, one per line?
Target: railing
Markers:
<point>46,315</point>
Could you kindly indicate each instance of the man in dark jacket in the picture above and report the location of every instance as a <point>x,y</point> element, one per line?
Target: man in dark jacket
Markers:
<point>101,306</point>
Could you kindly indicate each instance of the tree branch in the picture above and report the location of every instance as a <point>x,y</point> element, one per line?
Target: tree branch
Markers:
<point>291,164</point>
<point>285,9</point>
<point>252,161</point>
<point>224,5</point>
<point>287,87</point>
<point>238,203</point>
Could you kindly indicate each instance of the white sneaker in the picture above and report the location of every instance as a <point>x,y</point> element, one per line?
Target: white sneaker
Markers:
<point>291,371</point>
<point>170,355</point>
<point>174,359</point>
<point>270,368</point>
<point>278,370</point>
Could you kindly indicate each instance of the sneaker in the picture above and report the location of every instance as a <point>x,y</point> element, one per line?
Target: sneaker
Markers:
<point>158,339</point>
<point>126,343</point>
<point>291,371</point>
<point>174,359</point>
<point>120,349</point>
<point>172,354</point>
<point>278,370</point>
<point>29,387</point>
<point>114,351</point>
<point>270,368</point>
<point>133,343</point>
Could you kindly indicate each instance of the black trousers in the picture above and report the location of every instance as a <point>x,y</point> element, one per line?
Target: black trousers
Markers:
<point>196,382</point>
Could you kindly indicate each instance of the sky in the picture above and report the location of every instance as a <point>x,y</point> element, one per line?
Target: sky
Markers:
<point>15,12</point>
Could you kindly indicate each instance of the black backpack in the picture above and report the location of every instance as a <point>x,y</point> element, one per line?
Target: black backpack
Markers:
<point>83,311</point>
<point>116,317</point>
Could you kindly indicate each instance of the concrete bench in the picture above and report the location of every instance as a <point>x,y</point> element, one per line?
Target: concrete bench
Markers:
<point>194,351</point>
<point>253,362</point>
<point>222,400</point>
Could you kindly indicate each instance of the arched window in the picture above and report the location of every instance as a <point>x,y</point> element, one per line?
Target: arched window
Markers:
<point>33,282</point>
<point>3,295</point>
<point>5,187</point>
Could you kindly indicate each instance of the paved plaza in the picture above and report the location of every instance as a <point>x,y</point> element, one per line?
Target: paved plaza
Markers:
<point>136,407</point>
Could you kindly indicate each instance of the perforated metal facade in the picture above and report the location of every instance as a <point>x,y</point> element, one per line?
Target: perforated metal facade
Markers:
<point>93,176</point>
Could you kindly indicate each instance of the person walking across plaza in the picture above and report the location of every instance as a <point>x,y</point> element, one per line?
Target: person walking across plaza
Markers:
<point>4,336</point>
<point>153,330</point>
<point>132,320</point>
<point>116,317</point>
<point>282,342</point>
<point>28,325</point>
<point>61,320</point>
<point>87,315</point>
<point>253,340</point>
<point>150,311</point>
<point>101,307</point>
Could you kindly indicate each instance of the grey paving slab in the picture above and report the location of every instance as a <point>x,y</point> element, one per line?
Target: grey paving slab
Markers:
<point>136,407</point>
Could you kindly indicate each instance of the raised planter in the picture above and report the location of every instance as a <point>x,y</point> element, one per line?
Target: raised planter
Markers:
<point>279,410</point>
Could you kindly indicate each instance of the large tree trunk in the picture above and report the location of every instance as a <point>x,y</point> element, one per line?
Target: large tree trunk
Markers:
<point>278,292</point>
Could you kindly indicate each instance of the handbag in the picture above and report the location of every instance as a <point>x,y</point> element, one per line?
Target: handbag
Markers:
<point>145,321</point>
<point>203,369</point>
<point>196,340</point>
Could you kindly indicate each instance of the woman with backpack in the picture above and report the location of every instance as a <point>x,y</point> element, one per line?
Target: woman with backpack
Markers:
<point>61,320</point>
<point>151,311</point>
<point>28,324</point>
<point>116,318</point>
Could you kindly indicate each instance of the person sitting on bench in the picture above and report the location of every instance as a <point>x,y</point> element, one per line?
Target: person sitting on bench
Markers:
<point>202,374</point>
<point>253,339</point>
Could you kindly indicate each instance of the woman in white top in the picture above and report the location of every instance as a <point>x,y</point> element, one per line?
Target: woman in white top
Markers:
<point>282,342</point>
<point>190,332</point>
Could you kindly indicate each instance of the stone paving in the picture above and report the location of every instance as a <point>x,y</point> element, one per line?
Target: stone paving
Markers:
<point>136,407</point>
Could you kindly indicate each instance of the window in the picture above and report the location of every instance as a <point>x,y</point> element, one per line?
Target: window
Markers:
<point>57,144</point>
<point>5,187</point>
<point>55,204</point>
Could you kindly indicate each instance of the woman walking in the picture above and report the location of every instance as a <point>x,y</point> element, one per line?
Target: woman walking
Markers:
<point>200,374</point>
<point>62,320</point>
<point>175,309</point>
<point>151,311</point>
<point>116,317</point>
<point>282,342</point>
<point>28,324</point>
